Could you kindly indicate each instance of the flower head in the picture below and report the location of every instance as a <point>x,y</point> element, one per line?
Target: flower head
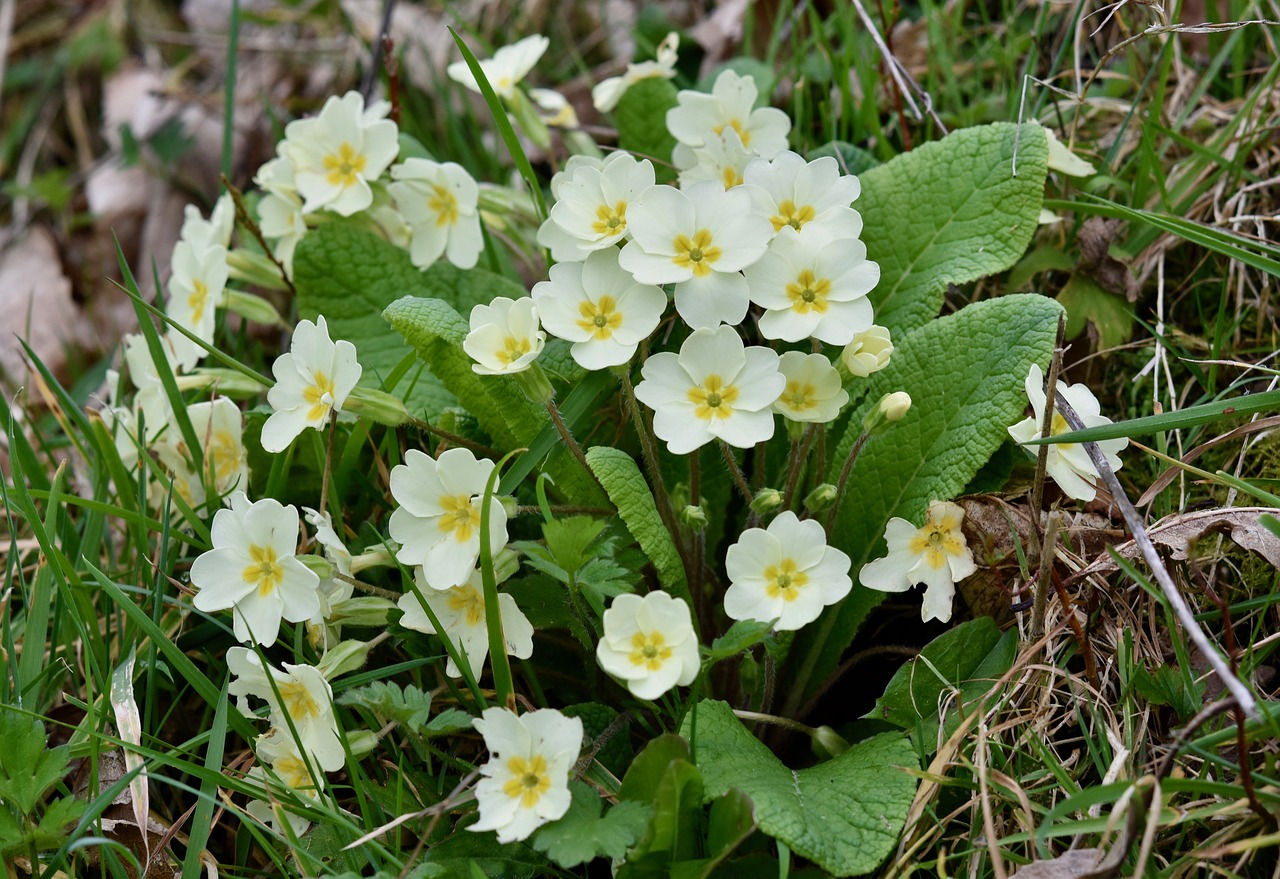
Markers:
<point>505,336</point>
<point>590,212</point>
<point>868,352</point>
<point>699,116</point>
<point>785,573</point>
<point>721,158</point>
<point>804,195</point>
<point>813,392</point>
<point>280,216</point>
<point>312,381</point>
<point>280,752</point>
<point>337,154</point>
<point>202,234</point>
<point>606,93</point>
<point>305,699</point>
<point>1067,463</point>
<point>526,780</point>
<point>439,201</point>
<point>438,521</point>
<point>252,569</point>
<point>506,68</point>
<point>936,555</point>
<point>649,644</point>
<point>714,388</point>
<point>218,425</point>
<point>599,307</point>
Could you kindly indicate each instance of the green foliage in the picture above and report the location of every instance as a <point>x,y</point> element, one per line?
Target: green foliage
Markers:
<point>949,212</point>
<point>1167,686</point>
<point>409,707</point>
<point>583,834</point>
<point>852,159</point>
<point>28,769</point>
<point>742,635</point>
<point>1088,304</point>
<point>844,814</point>
<point>641,116</point>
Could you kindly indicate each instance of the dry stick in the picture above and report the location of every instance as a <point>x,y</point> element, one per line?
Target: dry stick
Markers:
<point>902,79</point>
<point>1238,690</point>
<point>455,439</point>
<point>1048,550</point>
<point>1037,485</point>
<point>988,819</point>
<point>246,219</point>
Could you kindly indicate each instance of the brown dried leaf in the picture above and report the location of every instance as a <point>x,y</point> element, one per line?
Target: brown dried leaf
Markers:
<point>1180,534</point>
<point>1076,864</point>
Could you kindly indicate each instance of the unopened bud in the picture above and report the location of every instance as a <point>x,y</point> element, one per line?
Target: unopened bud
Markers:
<point>362,610</point>
<point>227,382</point>
<point>868,352</point>
<point>320,566</point>
<point>253,308</point>
<point>377,406</point>
<point>827,743</point>
<point>766,501</point>
<point>535,384</point>
<point>891,408</point>
<point>821,498</point>
<point>693,516</point>
<point>343,657</point>
<point>362,742</point>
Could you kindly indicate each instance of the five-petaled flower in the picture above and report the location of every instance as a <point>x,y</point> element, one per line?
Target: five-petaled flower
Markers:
<point>785,573</point>
<point>440,203</point>
<point>252,569</point>
<point>731,104</point>
<point>304,699</point>
<point>506,68</point>
<point>312,381</point>
<point>590,212</point>
<point>935,554</point>
<point>526,780</point>
<point>649,643</point>
<point>505,336</point>
<point>813,392</point>
<point>804,195</point>
<point>196,287</point>
<point>336,154</point>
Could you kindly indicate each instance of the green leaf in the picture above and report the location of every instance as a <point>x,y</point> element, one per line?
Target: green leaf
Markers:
<point>646,771</point>
<point>61,812</point>
<point>852,159</point>
<point>672,834</point>
<point>410,707</point>
<point>1087,303</point>
<point>455,854</point>
<point>968,658</point>
<point>583,835</point>
<point>844,815</point>
<point>965,375</point>
<point>1192,416</point>
<point>742,635</point>
<point>641,117</point>
<point>1166,686</point>
<point>350,275</point>
<point>447,722</point>
<point>570,538</point>
<point>949,212</point>
<point>625,485</point>
<point>27,767</point>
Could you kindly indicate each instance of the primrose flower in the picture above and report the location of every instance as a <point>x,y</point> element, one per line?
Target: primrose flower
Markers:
<point>438,521</point>
<point>813,392</point>
<point>606,93</point>
<point>505,336</point>
<point>312,381</point>
<point>590,212</point>
<point>202,234</point>
<point>1067,463</point>
<point>598,306</point>
<point>785,573</point>
<point>526,781</point>
<point>700,239</point>
<point>698,116</point>
<point>792,192</point>
<point>305,698</point>
<point>721,158</point>
<point>554,108</point>
<point>333,591</point>
<point>868,352</point>
<point>508,66</point>
<point>218,425</point>
<point>280,216</point>
<point>649,644</point>
<point>439,201</point>
<point>714,388</point>
<point>279,751</point>
<point>196,287</point>
<point>460,610</point>
<point>813,287</point>
<point>252,569</point>
<point>337,154</point>
<point>936,555</point>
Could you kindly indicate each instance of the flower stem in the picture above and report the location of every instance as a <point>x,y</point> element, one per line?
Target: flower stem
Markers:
<point>739,478</point>
<point>649,451</point>
<point>503,684</point>
<point>799,452</point>
<point>563,430</point>
<point>366,587</point>
<point>844,478</point>
<point>697,538</point>
<point>328,465</point>
<point>455,439</point>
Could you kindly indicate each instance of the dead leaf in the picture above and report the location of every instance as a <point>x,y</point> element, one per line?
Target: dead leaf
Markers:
<point>35,303</point>
<point>1096,260</point>
<point>1180,534</point>
<point>129,725</point>
<point>1076,864</point>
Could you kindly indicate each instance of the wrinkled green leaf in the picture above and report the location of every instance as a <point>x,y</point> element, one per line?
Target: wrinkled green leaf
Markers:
<point>410,707</point>
<point>641,117</point>
<point>583,834</point>
<point>451,720</point>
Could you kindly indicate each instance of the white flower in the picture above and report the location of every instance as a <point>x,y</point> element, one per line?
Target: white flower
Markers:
<point>699,116</point>
<point>151,402</point>
<point>600,308</point>
<point>305,698</point>
<point>460,610</point>
<point>649,644</point>
<point>792,192</point>
<point>785,573</point>
<point>700,239</point>
<point>202,234</point>
<point>714,388</point>
<point>590,212</point>
<point>721,158</point>
<point>505,336</point>
<point>813,392</point>
<point>252,569</point>
<point>895,406</point>
<point>280,752</point>
<point>312,381</point>
<point>508,66</point>
<point>575,164</point>
<point>813,287</point>
<point>438,521</point>
<point>280,216</point>
<point>439,201</point>
<point>333,591</point>
<point>218,425</point>
<point>868,352</point>
<point>606,93</point>
<point>526,781</point>
<point>337,154</point>
<point>1067,463</point>
<point>936,555</point>
<point>554,108</point>
<point>196,287</point>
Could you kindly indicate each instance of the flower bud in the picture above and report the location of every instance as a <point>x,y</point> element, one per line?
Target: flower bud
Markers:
<point>253,308</point>
<point>693,516</point>
<point>868,352</point>
<point>373,557</point>
<point>377,406</point>
<point>343,657</point>
<point>362,610</point>
<point>827,743</point>
<point>320,566</point>
<point>227,382</point>
<point>821,498</point>
<point>891,408</point>
<point>766,501</point>
<point>361,742</point>
<point>535,384</point>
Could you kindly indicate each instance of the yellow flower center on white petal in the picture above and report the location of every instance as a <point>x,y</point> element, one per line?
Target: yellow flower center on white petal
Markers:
<point>225,454</point>
<point>444,205</point>
<point>714,399</point>
<point>320,395</point>
<point>1058,425</point>
<point>649,650</point>
<point>513,349</point>
<point>344,167</point>
<point>799,395</point>
<point>298,701</point>
<point>736,125</point>
<point>264,571</point>
<point>610,220</point>
<point>460,517</point>
<point>789,214</point>
<point>468,601</point>
<point>732,177</point>
<point>600,319</point>
<point>784,580</point>
<point>697,254</point>
<point>935,541</point>
<point>529,780</point>
<point>293,772</point>
<point>808,293</point>
<point>196,301</point>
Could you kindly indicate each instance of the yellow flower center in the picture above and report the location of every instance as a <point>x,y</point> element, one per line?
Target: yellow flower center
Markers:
<point>513,349</point>
<point>344,167</point>
<point>732,177</point>
<point>298,701</point>
<point>293,772</point>
<point>698,254</point>
<point>610,220</point>
<point>736,125</point>
<point>799,395</point>
<point>460,517</point>
<point>468,600</point>
<point>600,319</point>
<point>937,540</point>
<point>320,395</point>
<point>529,780</point>
<point>808,293</point>
<point>714,399</point>
<point>264,571</point>
<point>443,204</point>
<point>790,215</point>
<point>225,455</point>
<point>649,650</point>
<point>196,301</point>
<point>784,580</point>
